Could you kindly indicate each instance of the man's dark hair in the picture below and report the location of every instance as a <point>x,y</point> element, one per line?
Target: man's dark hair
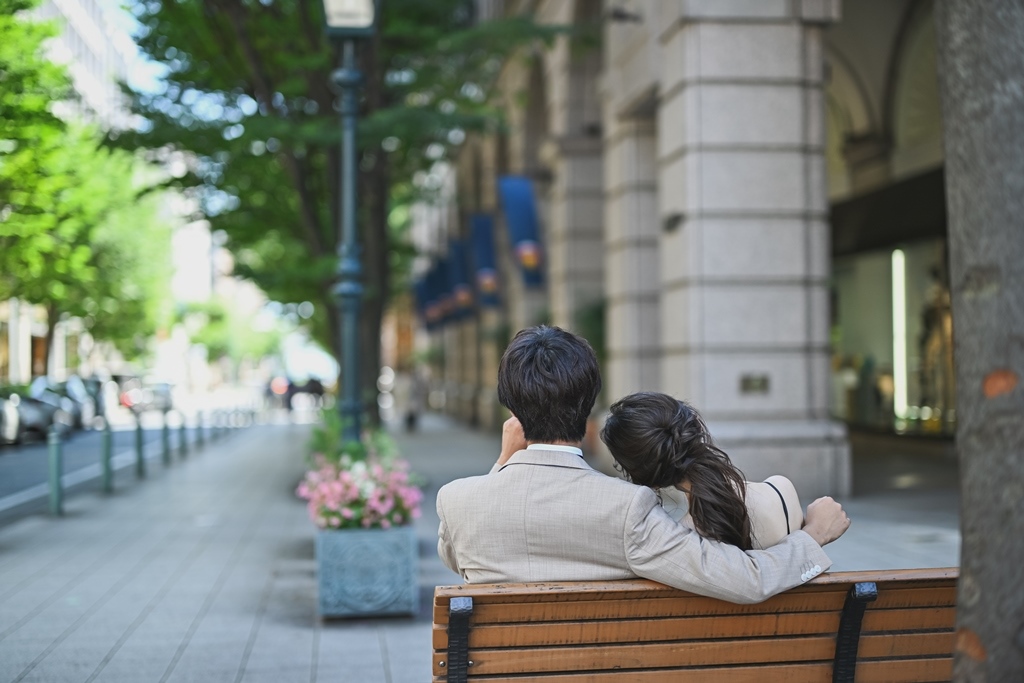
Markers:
<point>549,378</point>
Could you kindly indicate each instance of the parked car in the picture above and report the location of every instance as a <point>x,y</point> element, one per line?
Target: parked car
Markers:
<point>35,417</point>
<point>141,396</point>
<point>104,393</point>
<point>75,389</point>
<point>55,395</point>
<point>10,421</point>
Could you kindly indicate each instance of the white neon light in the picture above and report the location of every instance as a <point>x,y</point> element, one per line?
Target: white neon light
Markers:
<point>899,333</point>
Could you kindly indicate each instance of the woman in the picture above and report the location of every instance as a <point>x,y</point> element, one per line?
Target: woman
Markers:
<point>662,442</point>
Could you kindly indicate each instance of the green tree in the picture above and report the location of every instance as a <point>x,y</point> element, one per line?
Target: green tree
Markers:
<point>229,333</point>
<point>29,84</point>
<point>132,248</point>
<point>76,235</point>
<point>86,244</point>
<point>246,94</point>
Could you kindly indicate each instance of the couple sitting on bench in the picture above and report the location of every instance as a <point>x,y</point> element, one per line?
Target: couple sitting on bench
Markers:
<point>543,514</point>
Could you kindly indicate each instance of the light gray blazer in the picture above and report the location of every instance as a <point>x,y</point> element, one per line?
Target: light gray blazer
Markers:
<point>548,516</point>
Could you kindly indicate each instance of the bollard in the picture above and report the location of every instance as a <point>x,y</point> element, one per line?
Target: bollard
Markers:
<point>140,454</point>
<point>183,432</point>
<point>56,470</point>
<point>165,441</point>
<point>108,447</point>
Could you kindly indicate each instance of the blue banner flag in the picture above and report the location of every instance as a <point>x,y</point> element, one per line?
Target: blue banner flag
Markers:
<point>523,226</point>
<point>485,263</point>
<point>435,285</point>
<point>458,273</point>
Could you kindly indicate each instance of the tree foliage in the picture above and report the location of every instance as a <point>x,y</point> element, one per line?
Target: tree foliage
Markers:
<point>29,83</point>
<point>229,333</point>
<point>76,236</point>
<point>246,94</point>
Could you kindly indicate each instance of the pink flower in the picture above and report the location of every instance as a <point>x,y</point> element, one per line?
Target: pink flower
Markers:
<point>367,494</point>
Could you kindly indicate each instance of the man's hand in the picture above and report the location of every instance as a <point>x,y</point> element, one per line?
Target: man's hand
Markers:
<point>826,520</point>
<point>512,439</point>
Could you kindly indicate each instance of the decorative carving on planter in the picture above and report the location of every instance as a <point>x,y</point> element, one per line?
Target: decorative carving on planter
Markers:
<point>364,572</point>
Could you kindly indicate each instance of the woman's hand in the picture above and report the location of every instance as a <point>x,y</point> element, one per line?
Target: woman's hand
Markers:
<point>512,439</point>
<point>826,520</point>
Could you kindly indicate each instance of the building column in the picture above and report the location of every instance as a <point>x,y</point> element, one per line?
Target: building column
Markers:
<point>575,233</point>
<point>631,259</point>
<point>20,342</point>
<point>469,380</point>
<point>744,245</point>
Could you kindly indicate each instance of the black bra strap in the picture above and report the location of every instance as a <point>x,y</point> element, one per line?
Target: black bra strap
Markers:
<point>785,510</point>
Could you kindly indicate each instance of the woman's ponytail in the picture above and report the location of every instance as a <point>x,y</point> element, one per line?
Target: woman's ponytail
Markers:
<point>718,498</point>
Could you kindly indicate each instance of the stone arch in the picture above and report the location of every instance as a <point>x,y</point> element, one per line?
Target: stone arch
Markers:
<point>914,108</point>
<point>848,116</point>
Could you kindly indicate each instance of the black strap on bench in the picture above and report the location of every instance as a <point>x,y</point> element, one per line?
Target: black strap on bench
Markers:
<point>845,665</point>
<point>459,611</point>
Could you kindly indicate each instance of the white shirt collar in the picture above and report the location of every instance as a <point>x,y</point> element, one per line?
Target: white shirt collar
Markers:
<point>553,447</point>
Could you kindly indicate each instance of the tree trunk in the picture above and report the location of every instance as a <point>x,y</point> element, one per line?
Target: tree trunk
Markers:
<point>981,76</point>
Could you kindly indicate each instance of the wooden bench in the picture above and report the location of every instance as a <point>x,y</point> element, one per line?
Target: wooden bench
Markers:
<point>884,626</point>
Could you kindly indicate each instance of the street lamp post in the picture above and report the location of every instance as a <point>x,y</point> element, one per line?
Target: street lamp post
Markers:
<point>348,20</point>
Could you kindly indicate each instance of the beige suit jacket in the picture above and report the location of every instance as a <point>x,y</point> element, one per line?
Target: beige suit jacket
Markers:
<point>548,516</point>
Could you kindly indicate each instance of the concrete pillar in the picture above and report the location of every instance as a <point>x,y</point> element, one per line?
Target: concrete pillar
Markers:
<point>576,206</point>
<point>493,325</point>
<point>492,344</point>
<point>744,242</point>
<point>468,374</point>
<point>631,259</point>
<point>451,381</point>
<point>21,342</point>
<point>525,306</point>
<point>58,364</point>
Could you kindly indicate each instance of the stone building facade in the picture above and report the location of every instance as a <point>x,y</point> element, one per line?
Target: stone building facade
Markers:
<point>701,173</point>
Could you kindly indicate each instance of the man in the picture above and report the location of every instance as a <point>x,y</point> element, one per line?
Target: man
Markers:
<point>542,514</point>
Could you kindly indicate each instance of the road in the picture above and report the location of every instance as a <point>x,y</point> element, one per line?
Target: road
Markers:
<point>24,469</point>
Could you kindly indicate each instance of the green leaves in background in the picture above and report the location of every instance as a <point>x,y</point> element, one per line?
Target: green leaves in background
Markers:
<point>79,235</point>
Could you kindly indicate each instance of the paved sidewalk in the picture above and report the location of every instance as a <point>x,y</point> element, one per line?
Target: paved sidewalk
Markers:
<point>205,571</point>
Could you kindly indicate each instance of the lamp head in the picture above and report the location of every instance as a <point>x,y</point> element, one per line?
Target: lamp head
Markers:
<point>351,18</point>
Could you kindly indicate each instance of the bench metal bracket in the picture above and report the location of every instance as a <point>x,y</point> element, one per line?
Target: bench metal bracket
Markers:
<point>459,611</point>
<point>845,665</point>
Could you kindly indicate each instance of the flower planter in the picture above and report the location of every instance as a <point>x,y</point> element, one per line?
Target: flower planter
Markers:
<point>367,572</point>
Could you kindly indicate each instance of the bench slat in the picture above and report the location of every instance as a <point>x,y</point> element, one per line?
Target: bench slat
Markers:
<point>793,601</point>
<point>688,628</point>
<point>566,589</point>
<point>636,591</point>
<point>695,653</point>
<point>930,670</point>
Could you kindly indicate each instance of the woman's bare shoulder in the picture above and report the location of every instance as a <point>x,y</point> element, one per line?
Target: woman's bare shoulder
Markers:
<point>783,484</point>
<point>792,498</point>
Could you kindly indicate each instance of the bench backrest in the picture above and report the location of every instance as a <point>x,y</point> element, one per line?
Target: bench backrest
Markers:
<point>643,631</point>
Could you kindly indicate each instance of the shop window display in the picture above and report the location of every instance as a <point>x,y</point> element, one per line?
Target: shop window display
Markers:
<point>892,340</point>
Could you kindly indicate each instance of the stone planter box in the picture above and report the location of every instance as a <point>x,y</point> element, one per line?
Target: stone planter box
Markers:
<point>367,572</point>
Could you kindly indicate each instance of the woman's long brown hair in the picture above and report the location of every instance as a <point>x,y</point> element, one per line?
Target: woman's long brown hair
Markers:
<point>660,441</point>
